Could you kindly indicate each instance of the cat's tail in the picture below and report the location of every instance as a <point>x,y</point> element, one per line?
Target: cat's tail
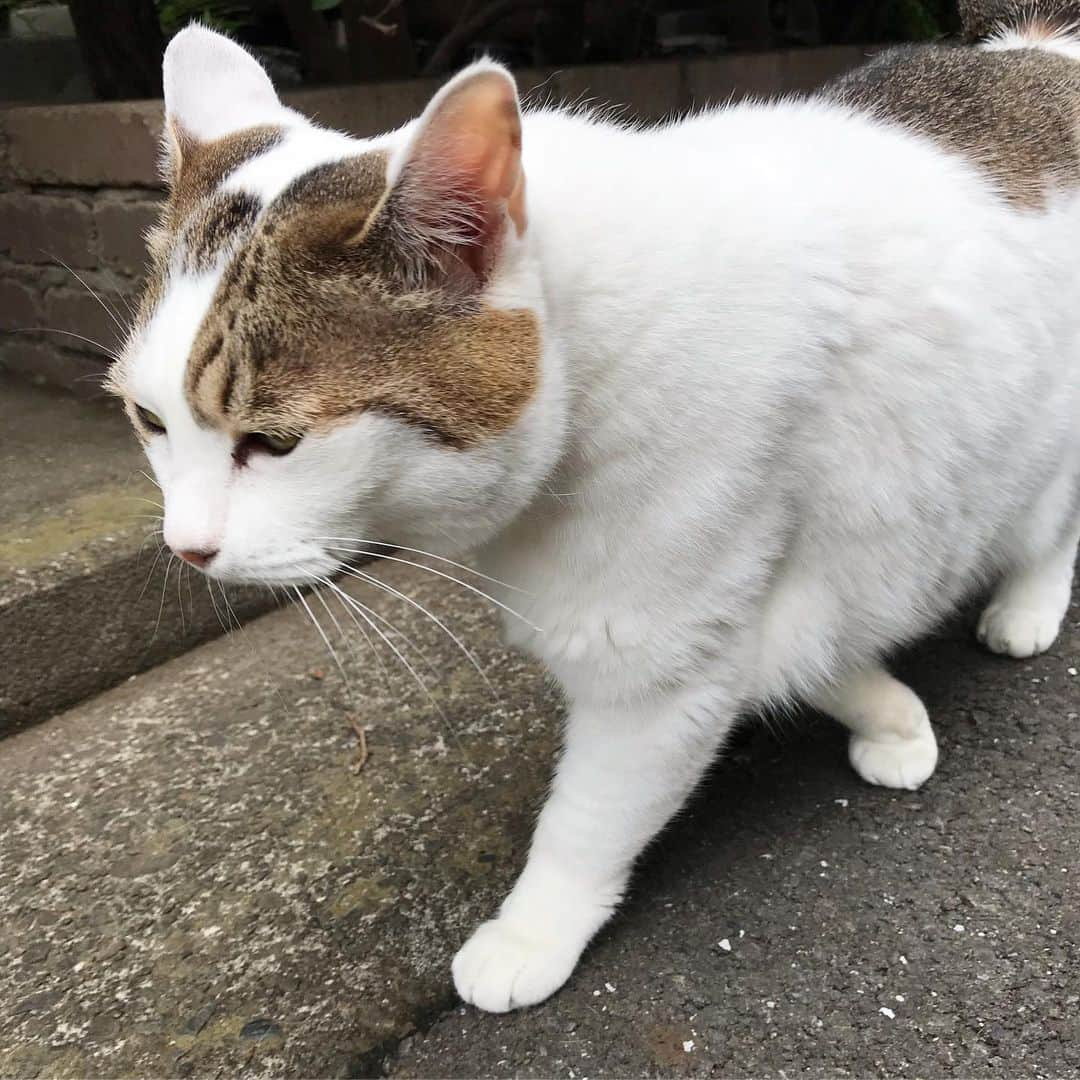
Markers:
<point>1023,24</point>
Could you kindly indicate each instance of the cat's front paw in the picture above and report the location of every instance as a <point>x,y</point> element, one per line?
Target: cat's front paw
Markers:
<point>893,760</point>
<point>504,966</point>
<point>1019,631</point>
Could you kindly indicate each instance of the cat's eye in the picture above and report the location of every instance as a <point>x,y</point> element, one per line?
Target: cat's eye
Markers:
<point>264,442</point>
<point>150,420</point>
<point>276,444</point>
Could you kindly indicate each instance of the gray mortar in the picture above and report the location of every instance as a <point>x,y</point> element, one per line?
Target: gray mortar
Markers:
<point>83,601</point>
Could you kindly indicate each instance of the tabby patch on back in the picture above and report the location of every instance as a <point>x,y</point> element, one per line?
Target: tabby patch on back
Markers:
<point>1014,113</point>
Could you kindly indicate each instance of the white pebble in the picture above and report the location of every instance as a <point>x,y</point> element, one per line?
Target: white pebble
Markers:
<point>725,945</point>
<point>886,1011</point>
<point>688,1045</point>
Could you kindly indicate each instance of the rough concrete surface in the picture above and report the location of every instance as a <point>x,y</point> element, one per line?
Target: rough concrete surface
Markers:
<point>82,589</point>
<point>195,882</point>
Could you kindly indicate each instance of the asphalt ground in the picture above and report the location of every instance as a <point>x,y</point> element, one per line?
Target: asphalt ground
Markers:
<point>796,921</point>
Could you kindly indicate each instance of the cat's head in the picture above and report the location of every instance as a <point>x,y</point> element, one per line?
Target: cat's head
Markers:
<point>341,339</point>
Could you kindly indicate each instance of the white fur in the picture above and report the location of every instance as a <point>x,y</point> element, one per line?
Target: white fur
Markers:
<point>212,87</point>
<point>807,382</point>
<point>1063,40</point>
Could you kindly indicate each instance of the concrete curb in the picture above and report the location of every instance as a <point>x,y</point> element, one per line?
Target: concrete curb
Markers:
<point>83,596</point>
<point>201,883</point>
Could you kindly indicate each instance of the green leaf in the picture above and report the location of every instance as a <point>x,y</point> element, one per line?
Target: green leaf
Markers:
<point>324,5</point>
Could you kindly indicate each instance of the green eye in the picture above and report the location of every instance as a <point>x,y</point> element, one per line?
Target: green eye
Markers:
<point>276,444</point>
<point>150,420</point>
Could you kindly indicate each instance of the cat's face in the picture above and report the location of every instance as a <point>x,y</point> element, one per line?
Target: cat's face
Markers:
<point>340,340</point>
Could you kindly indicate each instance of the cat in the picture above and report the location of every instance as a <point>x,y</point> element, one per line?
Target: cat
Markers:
<point>743,401</point>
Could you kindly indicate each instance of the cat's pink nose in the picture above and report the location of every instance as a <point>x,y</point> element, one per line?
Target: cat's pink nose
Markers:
<point>197,558</point>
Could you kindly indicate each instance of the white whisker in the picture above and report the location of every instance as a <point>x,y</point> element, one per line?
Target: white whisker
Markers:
<point>434,618</point>
<point>337,626</point>
<point>161,606</point>
<point>464,584</point>
<point>396,630</point>
<point>141,498</point>
<point>252,646</point>
<point>230,615</point>
<point>153,567</point>
<point>180,598</point>
<point>359,608</point>
<point>213,603</point>
<point>367,637</point>
<point>416,551</point>
<point>108,310</point>
<point>322,633</point>
<point>67,333</point>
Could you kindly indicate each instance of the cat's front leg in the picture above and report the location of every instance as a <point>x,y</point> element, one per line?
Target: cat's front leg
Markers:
<point>623,773</point>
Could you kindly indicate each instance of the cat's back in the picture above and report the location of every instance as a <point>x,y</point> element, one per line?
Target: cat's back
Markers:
<point>1012,111</point>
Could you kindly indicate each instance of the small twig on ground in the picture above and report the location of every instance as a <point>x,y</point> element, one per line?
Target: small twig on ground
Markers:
<point>362,753</point>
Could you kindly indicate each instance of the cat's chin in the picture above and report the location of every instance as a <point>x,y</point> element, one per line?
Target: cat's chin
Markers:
<point>314,576</point>
<point>299,575</point>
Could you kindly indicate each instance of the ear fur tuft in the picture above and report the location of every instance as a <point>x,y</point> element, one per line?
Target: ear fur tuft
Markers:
<point>457,185</point>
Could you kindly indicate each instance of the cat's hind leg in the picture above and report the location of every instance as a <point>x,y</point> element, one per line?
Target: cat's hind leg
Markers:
<point>1026,612</point>
<point>892,742</point>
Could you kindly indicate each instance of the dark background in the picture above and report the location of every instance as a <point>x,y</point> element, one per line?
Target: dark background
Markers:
<point>313,42</point>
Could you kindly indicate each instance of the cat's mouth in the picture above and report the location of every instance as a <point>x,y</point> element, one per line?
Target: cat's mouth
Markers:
<point>331,565</point>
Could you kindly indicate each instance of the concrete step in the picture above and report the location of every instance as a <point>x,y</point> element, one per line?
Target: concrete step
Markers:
<point>200,882</point>
<point>83,598</point>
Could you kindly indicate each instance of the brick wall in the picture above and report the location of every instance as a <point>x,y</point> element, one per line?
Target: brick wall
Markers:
<point>78,185</point>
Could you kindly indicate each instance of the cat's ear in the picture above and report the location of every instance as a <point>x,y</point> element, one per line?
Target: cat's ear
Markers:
<point>457,186</point>
<point>213,87</point>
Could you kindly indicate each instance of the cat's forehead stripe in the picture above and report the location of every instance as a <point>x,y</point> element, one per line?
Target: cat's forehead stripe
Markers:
<point>357,182</point>
<point>225,185</point>
<point>216,226</point>
<point>359,178</point>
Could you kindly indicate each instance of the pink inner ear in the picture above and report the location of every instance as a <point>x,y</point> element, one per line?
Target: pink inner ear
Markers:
<point>464,172</point>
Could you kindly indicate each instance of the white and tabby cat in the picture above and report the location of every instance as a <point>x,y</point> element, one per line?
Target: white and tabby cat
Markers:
<point>804,374</point>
